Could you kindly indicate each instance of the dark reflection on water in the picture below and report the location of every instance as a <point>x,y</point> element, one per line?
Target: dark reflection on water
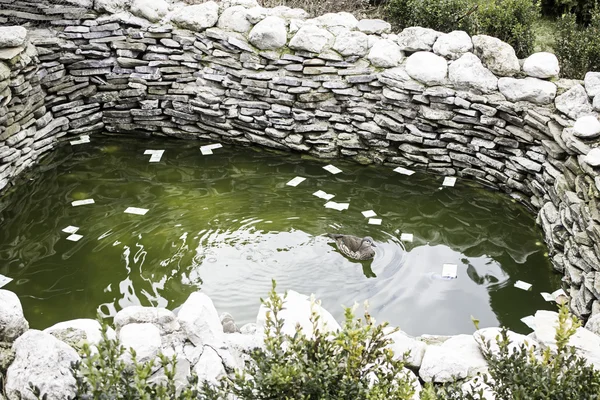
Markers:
<point>228,224</point>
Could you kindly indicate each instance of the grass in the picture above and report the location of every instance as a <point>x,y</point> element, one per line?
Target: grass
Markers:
<point>544,30</point>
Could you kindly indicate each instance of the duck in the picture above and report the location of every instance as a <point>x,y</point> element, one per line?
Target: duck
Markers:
<point>354,247</point>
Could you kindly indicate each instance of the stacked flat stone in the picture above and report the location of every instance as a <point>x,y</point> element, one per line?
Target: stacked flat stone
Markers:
<point>333,86</point>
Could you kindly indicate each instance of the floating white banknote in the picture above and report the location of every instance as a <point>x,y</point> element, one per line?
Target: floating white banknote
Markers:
<point>449,181</point>
<point>323,195</point>
<point>529,321</point>
<point>136,210</point>
<point>337,206</point>
<point>449,271</point>
<point>369,214</point>
<point>70,229</point>
<point>404,171</point>
<point>82,202</point>
<point>333,169</point>
<point>4,280</point>
<point>74,237</point>
<point>374,221</point>
<point>406,237</point>
<point>296,181</point>
<point>523,285</point>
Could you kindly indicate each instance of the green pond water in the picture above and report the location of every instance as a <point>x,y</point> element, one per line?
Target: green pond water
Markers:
<point>227,224</point>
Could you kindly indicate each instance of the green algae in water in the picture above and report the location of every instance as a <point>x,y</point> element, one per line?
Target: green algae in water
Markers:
<point>227,224</point>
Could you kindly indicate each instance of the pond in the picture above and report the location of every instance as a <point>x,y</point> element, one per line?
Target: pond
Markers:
<point>228,224</point>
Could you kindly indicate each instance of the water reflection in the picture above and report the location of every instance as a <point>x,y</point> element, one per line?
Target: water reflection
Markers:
<point>227,224</point>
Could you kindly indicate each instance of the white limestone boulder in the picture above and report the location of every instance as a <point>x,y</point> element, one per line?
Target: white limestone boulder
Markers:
<point>586,343</point>
<point>311,38</point>
<point>403,343</point>
<point>12,36</point>
<point>587,127</point>
<point>288,13</point>
<point>200,321</point>
<point>592,83</point>
<point>417,39</point>
<point>351,43</point>
<point>596,103</point>
<point>427,68</point>
<point>498,56</point>
<point>297,309</point>
<point>385,53</point>
<point>593,159</point>
<point>336,22</point>
<point>209,367</point>
<point>269,34</point>
<point>469,73</point>
<point>487,339</point>
<point>165,320</point>
<point>234,19</point>
<point>374,26</point>
<point>43,361</point>
<point>197,17</point>
<point>152,10</point>
<point>143,338</point>
<point>593,323</point>
<point>111,6</point>
<point>77,330</point>
<point>225,4</point>
<point>4,71</point>
<point>453,45</point>
<point>12,320</point>
<point>574,102</point>
<point>441,364</point>
<point>533,90</point>
<point>257,14</point>
<point>542,65</point>
<point>80,3</point>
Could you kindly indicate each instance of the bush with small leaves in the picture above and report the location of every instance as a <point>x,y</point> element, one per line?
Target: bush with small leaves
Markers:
<point>577,47</point>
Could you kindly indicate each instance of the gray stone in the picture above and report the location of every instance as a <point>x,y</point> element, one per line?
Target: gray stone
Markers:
<point>593,324</point>
<point>528,89</point>
<point>228,323</point>
<point>111,6</point>
<point>200,321</point>
<point>209,367</point>
<point>453,45</point>
<point>12,320</point>
<point>312,39</point>
<point>498,56</point>
<point>269,34</point>
<point>592,83</point>
<point>143,338</point>
<point>587,127</point>
<point>427,68</point>
<point>235,19</point>
<point>574,102</point>
<point>593,158</point>
<point>337,22</point>
<point>402,343</point>
<point>374,26</point>
<point>541,65</point>
<point>164,319</point>
<point>351,43</point>
<point>77,331</point>
<point>469,73</point>
<point>12,36</point>
<point>417,39</point>
<point>197,17</point>
<point>4,71</point>
<point>385,54</point>
<point>152,10</point>
<point>41,360</point>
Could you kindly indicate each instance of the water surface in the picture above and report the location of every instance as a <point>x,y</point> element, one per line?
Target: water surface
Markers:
<point>227,224</point>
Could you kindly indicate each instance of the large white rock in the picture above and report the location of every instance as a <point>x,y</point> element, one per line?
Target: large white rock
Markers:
<point>469,73</point>
<point>541,65</point>
<point>235,19</point>
<point>374,26</point>
<point>80,329</point>
<point>200,320</point>
<point>587,127</point>
<point>165,320</point>
<point>351,43</point>
<point>453,45</point>
<point>402,343</point>
<point>337,22</point>
<point>385,54</point>
<point>311,38</point>
<point>4,71</point>
<point>143,338</point>
<point>224,4</point>
<point>593,324</point>
<point>593,159</point>
<point>43,361</point>
<point>528,89</point>
<point>297,309</point>
<point>12,36</point>
<point>417,39</point>
<point>269,34</point>
<point>111,6</point>
<point>427,68</point>
<point>152,10</point>
<point>468,348</point>
<point>210,367</point>
<point>574,102</point>
<point>487,339</point>
<point>498,56</point>
<point>586,343</point>
<point>12,320</point>
<point>197,17</point>
<point>592,83</point>
<point>288,13</point>
<point>441,364</point>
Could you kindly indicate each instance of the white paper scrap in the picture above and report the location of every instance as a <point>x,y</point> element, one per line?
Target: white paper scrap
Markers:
<point>529,321</point>
<point>333,169</point>
<point>213,146</point>
<point>136,210</point>
<point>523,285</point>
<point>4,280</point>
<point>82,202</point>
<point>369,214</point>
<point>70,229</point>
<point>337,206</point>
<point>205,151</point>
<point>406,237</point>
<point>449,271</point>
<point>155,155</point>
<point>155,158</point>
<point>82,139</point>
<point>296,181</point>
<point>558,293</point>
<point>404,171</point>
<point>74,237</point>
<point>374,221</point>
<point>322,195</point>
<point>547,296</point>
<point>449,181</point>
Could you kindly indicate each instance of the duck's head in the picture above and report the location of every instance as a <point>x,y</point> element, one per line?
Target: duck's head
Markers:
<point>368,241</point>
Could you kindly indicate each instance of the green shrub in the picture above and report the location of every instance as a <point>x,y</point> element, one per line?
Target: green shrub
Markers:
<point>441,15</point>
<point>520,374</point>
<point>581,8</point>
<point>577,47</point>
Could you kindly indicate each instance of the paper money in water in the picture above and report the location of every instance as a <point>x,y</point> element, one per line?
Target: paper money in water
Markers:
<point>136,210</point>
<point>82,202</point>
<point>369,214</point>
<point>296,181</point>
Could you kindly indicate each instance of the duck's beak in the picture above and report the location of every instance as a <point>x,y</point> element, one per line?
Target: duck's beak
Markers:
<point>373,245</point>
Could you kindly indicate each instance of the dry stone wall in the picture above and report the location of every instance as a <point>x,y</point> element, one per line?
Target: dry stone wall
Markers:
<point>330,86</point>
